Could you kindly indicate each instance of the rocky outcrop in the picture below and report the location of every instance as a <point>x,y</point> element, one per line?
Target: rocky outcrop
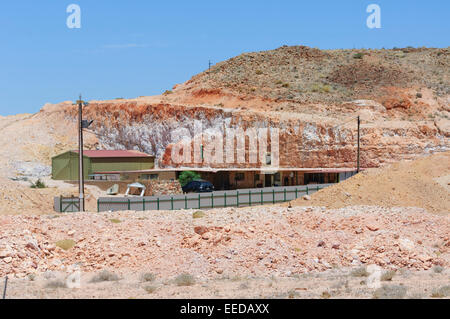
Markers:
<point>307,142</point>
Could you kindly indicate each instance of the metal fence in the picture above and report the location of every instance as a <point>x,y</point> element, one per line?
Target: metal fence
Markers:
<point>66,204</point>
<point>218,199</point>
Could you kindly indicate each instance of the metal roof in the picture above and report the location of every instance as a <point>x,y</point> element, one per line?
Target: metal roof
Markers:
<point>113,153</point>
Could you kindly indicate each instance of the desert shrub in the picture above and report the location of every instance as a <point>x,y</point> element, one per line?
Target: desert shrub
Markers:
<point>285,85</point>
<point>66,244</point>
<point>419,95</point>
<point>148,277</point>
<point>359,272</point>
<point>150,289</point>
<point>58,283</point>
<point>115,221</point>
<point>188,176</point>
<point>167,92</point>
<point>390,292</point>
<point>326,295</point>
<point>104,275</point>
<point>441,292</point>
<point>358,55</point>
<point>185,280</point>
<point>438,269</point>
<point>259,72</point>
<point>198,214</point>
<point>38,184</point>
<point>292,294</point>
<point>388,275</point>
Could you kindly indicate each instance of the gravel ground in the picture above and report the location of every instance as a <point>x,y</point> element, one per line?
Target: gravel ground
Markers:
<point>256,242</point>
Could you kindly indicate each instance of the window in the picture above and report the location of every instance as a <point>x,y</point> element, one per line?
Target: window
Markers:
<point>239,176</point>
<point>149,176</point>
<point>257,177</point>
<point>268,159</point>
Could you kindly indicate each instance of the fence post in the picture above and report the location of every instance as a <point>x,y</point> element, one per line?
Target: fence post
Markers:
<point>273,196</point>
<point>212,200</point>
<point>225,200</point>
<point>317,187</point>
<point>199,198</point>
<point>296,193</point>
<point>60,203</point>
<point>157,203</point>
<point>285,194</point>
<point>143,204</point>
<point>185,202</point>
<point>250,197</point>
<point>98,205</point>
<point>6,285</point>
<point>237,198</point>
<point>171,203</point>
<point>307,190</point>
<point>262,197</point>
<point>129,204</point>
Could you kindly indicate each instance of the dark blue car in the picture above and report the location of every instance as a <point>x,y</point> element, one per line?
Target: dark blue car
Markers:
<point>198,186</point>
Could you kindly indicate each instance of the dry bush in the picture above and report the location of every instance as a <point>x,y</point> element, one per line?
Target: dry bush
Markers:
<point>150,289</point>
<point>185,280</point>
<point>438,269</point>
<point>148,277</point>
<point>104,275</point>
<point>388,275</point>
<point>198,214</point>
<point>66,244</point>
<point>57,283</point>
<point>441,292</point>
<point>390,292</point>
<point>359,272</point>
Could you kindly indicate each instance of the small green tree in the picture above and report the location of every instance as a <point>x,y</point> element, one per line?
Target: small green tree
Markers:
<point>188,176</point>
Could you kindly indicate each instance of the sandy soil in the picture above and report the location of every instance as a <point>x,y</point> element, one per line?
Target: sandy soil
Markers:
<point>333,283</point>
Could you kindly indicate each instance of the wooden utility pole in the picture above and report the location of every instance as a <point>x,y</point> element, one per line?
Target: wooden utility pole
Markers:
<point>359,150</point>
<point>80,103</point>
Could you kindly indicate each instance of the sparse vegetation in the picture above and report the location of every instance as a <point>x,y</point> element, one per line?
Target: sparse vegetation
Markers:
<point>150,289</point>
<point>38,184</point>
<point>390,292</point>
<point>359,272</point>
<point>259,72</point>
<point>65,244</point>
<point>441,292</point>
<point>198,214</point>
<point>388,275</point>
<point>358,55</point>
<point>185,280</point>
<point>115,221</point>
<point>104,275</point>
<point>438,269</point>
<point>148,277</point>
<point>167,92</point>
<point>57,283</point>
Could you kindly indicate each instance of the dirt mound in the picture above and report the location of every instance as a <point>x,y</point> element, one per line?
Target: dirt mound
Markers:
<point>421,183</point>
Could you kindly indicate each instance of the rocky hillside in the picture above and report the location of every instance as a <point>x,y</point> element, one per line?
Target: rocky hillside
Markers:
<point>301,75</point>
<point>312,96</point>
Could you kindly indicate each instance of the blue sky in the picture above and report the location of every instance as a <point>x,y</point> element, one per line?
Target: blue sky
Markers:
<point>144,47</point>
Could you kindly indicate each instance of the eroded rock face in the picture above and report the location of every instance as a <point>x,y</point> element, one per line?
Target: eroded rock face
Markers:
<point>307,142</point>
